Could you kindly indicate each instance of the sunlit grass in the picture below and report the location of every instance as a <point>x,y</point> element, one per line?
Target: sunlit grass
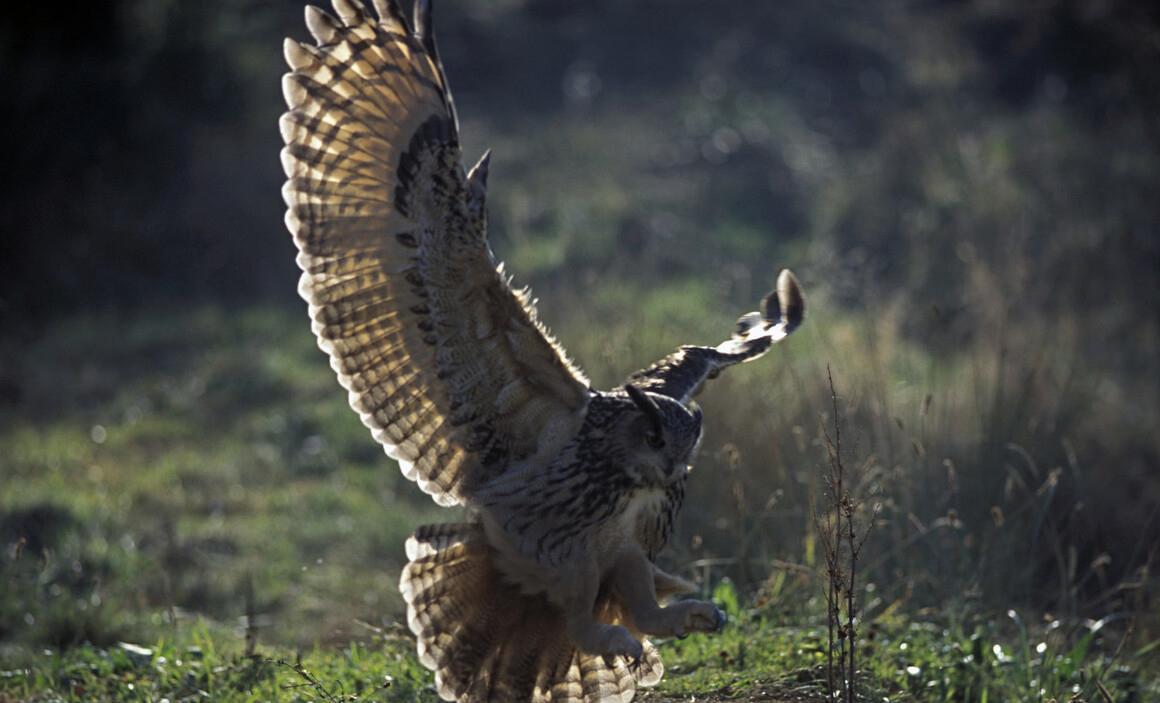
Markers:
<point>945,658</point>
<point>208,456</point>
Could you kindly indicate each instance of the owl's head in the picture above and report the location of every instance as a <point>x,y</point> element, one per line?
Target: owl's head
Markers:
<point>662,437</point>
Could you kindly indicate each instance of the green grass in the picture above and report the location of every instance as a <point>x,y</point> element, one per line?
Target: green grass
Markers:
<point>196,669</point>
<point>163,476</point>
<point>903,660</point>
<point>161,468</point>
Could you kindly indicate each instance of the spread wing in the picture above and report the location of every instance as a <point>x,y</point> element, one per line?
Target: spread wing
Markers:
<point>681,374</point>
<point>444,362</point>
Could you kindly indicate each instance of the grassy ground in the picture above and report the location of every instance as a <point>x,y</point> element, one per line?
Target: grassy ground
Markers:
<point>160,477</point>
<point>755,658</point>
<point>163,480</point>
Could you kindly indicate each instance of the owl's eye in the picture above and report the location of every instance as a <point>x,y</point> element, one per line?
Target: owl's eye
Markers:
<point>654,440</point>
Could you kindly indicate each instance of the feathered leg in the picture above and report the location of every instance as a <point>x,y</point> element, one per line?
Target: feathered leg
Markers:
<point>584,629</point>
<point>634,583</point>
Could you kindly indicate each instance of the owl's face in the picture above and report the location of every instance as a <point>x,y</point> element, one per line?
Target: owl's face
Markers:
<point>661,438</point>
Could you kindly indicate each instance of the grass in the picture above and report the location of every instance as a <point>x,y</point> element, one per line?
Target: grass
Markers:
<point>157,483</point>
<point>195,459</point>
<point>756,658</point>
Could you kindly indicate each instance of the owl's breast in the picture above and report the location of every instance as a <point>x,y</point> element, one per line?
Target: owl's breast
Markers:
<point>649,515</point>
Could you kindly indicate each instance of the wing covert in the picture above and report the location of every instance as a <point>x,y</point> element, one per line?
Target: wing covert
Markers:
<point>447,365</point>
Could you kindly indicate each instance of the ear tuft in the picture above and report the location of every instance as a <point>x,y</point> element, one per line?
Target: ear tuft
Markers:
<point>647,405</point>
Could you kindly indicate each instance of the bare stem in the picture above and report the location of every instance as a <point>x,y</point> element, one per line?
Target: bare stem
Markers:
<point>842,541</point>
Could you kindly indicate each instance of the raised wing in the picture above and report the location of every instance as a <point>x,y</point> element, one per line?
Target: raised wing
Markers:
<point>681,374</point>
<point>444,362</point>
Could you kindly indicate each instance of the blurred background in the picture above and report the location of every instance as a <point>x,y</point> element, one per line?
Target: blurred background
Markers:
<point>966,190</point>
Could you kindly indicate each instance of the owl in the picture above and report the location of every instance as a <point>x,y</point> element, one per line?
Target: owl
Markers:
<point>548,590</point>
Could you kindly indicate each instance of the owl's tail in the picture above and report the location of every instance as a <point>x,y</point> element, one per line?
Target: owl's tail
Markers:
<point>486,641</point>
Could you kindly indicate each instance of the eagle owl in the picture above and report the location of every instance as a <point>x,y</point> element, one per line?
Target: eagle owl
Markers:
<point>549,590</point>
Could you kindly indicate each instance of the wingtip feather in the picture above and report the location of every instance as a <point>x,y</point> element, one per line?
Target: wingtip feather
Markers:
<point>286,122</point>
<point>351,12</point>
<point>289,167</point>
<point>296,57</point>
<point>791,299</point>
<point>770,308</point>
<point>321,25</point>
<point>390,16</point>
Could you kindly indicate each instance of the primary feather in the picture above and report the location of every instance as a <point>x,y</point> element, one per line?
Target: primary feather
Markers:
<point>444,362</point>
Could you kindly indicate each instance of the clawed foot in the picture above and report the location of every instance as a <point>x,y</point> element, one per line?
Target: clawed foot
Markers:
<point>696,616</point>
<point>622,644</point>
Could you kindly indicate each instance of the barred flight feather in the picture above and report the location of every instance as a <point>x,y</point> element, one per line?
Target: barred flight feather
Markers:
<point>421,325</point>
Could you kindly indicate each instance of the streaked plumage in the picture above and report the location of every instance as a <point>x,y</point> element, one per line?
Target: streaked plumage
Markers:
<point>548,592</point>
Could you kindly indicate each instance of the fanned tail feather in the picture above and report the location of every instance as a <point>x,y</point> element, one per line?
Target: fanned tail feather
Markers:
<point>486,641</point>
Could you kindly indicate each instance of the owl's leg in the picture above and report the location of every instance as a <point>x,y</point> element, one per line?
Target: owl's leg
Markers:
<point>578,600</point>
<point>667,585</point>
<point>635,577</point>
